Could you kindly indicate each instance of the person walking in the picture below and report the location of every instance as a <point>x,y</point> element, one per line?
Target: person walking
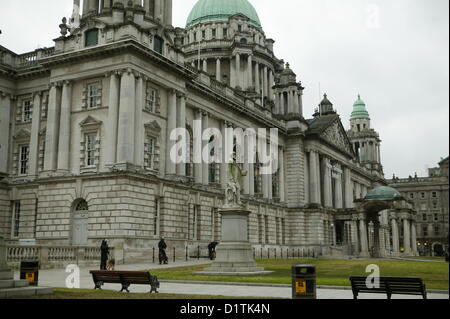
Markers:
<point>162,252</point>
<point>104,250</point>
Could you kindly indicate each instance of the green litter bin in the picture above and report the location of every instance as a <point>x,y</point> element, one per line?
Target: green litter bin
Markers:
<point>304,282</point>
<point>29,270</point>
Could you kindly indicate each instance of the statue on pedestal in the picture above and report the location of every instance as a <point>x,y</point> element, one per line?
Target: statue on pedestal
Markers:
<point>234,185</point>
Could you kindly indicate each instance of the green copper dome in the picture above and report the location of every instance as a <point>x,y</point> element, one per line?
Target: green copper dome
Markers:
<point>359,110</point>
<point>221,10</point>
<point>383,193</point>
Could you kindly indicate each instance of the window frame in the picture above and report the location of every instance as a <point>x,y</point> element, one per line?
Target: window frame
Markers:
<point>27,111</point>
<point>87,44</point>
<point>15,219</point>
<point>90,152</point>
<point>23,170</point>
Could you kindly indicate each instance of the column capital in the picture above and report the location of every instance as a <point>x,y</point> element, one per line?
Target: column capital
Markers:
<point>37,93</point>
<point>181,94</point>
<point>67,82</point>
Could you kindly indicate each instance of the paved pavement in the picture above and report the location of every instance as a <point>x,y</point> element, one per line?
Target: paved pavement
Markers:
<point>56,278</point>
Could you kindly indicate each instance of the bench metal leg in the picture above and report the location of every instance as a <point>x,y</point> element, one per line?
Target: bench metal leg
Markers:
<point>98,285</point>
<point>125,287</point>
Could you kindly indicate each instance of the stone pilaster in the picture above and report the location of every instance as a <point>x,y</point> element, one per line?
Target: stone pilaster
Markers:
<point>238,71</point>
<point>198,167</point>
<point>52,131</point>
<point>363,237</point>
<point>205,165</point>
<point>327,188</point>
<point>181,123</point>
<point>139,124</point>
<point>282,175</point>
<point>127,109</point>
<point>64,128</point>
<point>171,125</point>
<point>113,119</point>
<point>5,120</point>
<point>314,179</point>
<point>413,238</point>
<point>348,189</point>
<point>218,70</point>
<point>224,164</point>
<point>34,139</point>
<point>257,79</point>
<point>407,236</point>
<point>249,72</point>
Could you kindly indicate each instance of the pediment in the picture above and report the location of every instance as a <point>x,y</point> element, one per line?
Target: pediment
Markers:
<point>153,126</point>
<point>90,121</point>
<point>335,135</point>
<point>22,134</point>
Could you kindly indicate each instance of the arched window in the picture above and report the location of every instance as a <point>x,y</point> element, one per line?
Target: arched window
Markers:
<point>243,41</point>
<point>81,205</point>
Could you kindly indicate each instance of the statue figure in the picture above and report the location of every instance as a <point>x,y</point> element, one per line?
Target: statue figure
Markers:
<point>234,186</point>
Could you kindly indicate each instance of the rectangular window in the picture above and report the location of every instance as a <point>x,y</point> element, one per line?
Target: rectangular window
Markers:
<point>24,155</point>
<point>422,195</point>
<point>411,195</point>
<point>158,44</point>
<point>434,194</point>
<point>150,100</point>
<point>436,217</point>
<point>27,111</point>
<point>436,230</point>
<point>149,152</point>
<point>239,28</point>
<point>90,149</point>
<point>93,95</point>
<point>91,37</point>
<point>435,205</point>
<point>225,33</point>
<point>16,219</point>
<point>203,35</point>
<point>425,231</point>
<point>424,217</point>
<point>213,33</point>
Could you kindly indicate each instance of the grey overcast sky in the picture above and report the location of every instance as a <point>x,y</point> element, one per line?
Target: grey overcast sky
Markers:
<point>393,52</point>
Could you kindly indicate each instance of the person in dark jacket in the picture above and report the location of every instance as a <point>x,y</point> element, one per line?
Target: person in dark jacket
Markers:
<point>104,250</point>
<point>212,250</point>
<point>162,252</point>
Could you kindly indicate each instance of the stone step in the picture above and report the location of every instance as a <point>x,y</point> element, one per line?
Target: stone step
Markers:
<point>13,283</point>
<point>6,275</point>
<point>25,292</point>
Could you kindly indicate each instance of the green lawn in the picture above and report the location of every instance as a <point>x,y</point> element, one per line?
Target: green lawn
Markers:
<point>329,272</point>
<point>60,293</point>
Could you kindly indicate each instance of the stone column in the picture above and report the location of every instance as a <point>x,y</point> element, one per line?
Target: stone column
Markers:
<point>127,108</point>
<point>113,118</point>
<point>265,81</point>
<point>34,138</point>
<point>413,238</point>
<point>271,83</point>
<point>364,239</point>
<point>348,190</point>
<point>198,167</point>
<point>205,165</point>
<point>86,6</point>
<point>395,236</point>
<point>205,65</point>
<point>158,7</point>
<point>224,165</point>
<point>249,72</point>
<point>181,123</point>
<point>218,70</point>
<point>338,191</point>
<point>139,138</point>
<point>246,188</point>
<point>64,128</point>
<point>327,183</point>
<point>232,73</point>
<point>171,125</point>
<point>355,237</point>
<point>313,178</point>
<point>168,13</point>
<point>5,120</point>
<point>238,71</point>
<point>52,132</point>
<point>407,237</point>
<point>282,176</point>
<point>251,172</point>
<point>257,79</point>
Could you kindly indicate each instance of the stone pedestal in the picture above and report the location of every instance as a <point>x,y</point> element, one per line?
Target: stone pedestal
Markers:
<point>234,253</point>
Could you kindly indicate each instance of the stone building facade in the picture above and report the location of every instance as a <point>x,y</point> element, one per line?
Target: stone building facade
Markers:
<point>85,129</point>
<point>430,197</point>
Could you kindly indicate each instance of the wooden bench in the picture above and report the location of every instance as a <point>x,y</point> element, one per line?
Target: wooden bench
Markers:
<point>390,286</point>
<point>125,278</point>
